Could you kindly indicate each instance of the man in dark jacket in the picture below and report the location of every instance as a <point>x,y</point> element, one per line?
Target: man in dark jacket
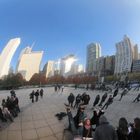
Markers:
<point>115,92</point>
<point>105,131</point>
<point>71,99</point>
<point>109,101</point>
<point>96,100</point>
<point>36,95</point>
<point>137,98</point>
<point>77,101</point>
<point>103,99</point>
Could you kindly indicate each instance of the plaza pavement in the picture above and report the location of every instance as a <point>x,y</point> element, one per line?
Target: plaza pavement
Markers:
<point>37,120</point>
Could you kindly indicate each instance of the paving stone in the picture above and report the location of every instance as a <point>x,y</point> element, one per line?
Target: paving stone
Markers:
<point>29,134</point>
<point>44,132</point>
<point>14,135</point>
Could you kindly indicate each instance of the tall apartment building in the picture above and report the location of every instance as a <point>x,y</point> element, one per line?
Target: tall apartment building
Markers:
<point>124,56</point>
<point>93,52</point>
<point>29,62</point>
<point>48,69</point>
<point>6,56</point>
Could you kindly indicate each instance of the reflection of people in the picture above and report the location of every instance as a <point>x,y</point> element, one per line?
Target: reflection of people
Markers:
<point>76,123</point>
<point>32,96</point>
<point>96,100</point>
<point>41,93</point>
<point>103,99</point>
<point>123,93</point>
<point>122,130</point>
<point>109,101</point>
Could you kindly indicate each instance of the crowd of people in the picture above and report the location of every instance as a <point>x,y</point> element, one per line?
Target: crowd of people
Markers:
<point>10,108</point>
<point>34,96</point>
<point>98,128</point>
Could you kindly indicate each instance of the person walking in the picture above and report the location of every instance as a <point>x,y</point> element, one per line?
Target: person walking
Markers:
<point>105,131</point>
<point>137,98</point>
<point>115,92</point>
<point>109,101</point>
<point>96,100</point>
<point>123,93</point>
<point>103,99</point>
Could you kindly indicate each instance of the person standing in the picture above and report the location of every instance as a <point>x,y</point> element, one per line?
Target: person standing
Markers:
<point>97,99</point>
<point>122,130</point>
<point>77,101</point>
<point>105,131</point>
<point>62,89</point>
<point>41,93</point>
<point>36,95</point>
<point>71,99</point>
<point>32,96</point>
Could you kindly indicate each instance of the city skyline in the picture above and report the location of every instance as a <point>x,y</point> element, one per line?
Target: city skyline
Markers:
<point>68,26</point>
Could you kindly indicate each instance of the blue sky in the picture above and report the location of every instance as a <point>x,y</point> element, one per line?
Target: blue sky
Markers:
<point>61,27</point>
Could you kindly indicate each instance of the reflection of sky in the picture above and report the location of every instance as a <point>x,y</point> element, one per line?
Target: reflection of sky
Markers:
<point>61,27</point>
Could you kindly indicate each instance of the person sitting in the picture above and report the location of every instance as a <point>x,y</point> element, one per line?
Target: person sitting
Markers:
<point>87,129</point>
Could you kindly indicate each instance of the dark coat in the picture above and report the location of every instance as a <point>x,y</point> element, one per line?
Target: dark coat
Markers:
<point>71,98</point>
<point>87,132</point>
<point>105,131</point>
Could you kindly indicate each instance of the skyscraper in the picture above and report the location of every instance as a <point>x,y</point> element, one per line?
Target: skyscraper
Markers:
<point>48,69</point>
<point>136,53</point>
<point>93,52</point>
<point>66,64</point>
<point>124,56</point>
<point>29,62</point>
<point>6,56</point>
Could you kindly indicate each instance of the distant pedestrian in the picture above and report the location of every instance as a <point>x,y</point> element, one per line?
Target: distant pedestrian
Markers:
<point>97,99</point>
<point>62,88</point>
<point>103,99</point>
<point>36,95</point>
<point>41,93</point>
<point>71,99</point>
<point>109,101</point>
<point>115,92</point>
<point>123,93</point>
<point>55,88</point>
<point>77,101</point>
<point>32,96</point>
<point>137,98</point>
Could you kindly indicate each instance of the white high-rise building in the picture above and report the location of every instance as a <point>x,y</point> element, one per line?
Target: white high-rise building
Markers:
<point>93,52</point>
<point>66,64</point>
<point>29,63</point>
<point>124,56</point>
<point>48,69</point>
<point>136,52</point>
<point>6,56</point>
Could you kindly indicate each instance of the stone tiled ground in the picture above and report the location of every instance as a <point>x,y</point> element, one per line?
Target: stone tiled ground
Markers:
<point>37,121</point>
